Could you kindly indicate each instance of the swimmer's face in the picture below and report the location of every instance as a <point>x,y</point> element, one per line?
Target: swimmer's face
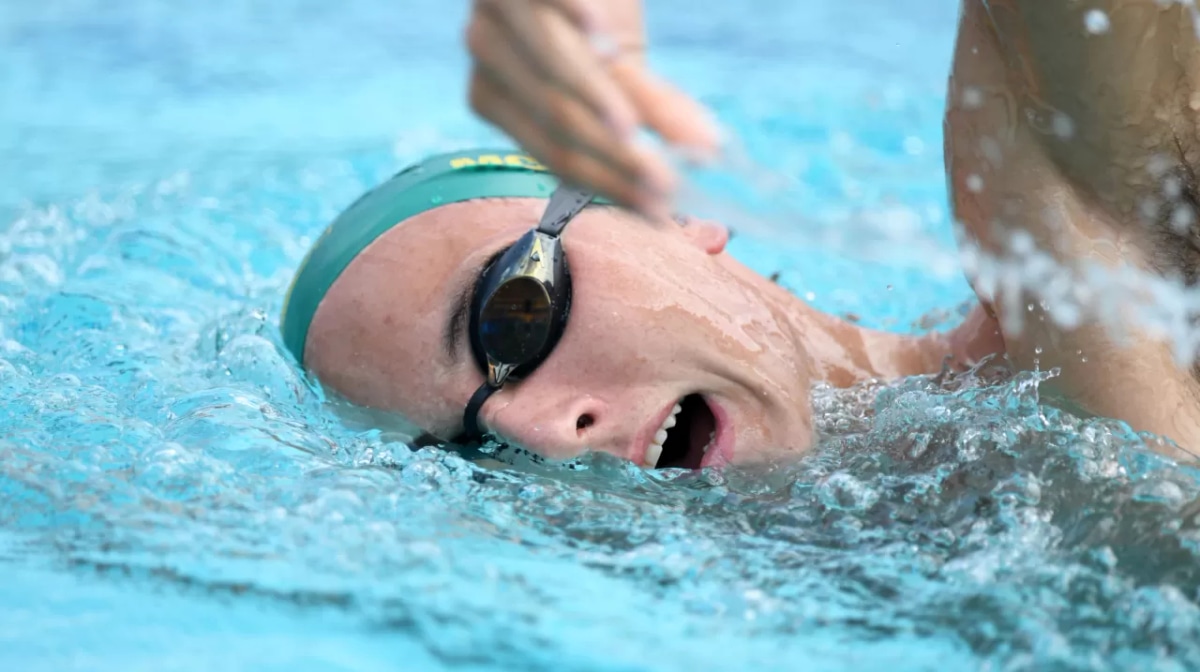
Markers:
<point>660,316</point>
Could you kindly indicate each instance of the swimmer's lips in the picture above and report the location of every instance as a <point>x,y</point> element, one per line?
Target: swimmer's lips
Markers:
<point>701,422</point>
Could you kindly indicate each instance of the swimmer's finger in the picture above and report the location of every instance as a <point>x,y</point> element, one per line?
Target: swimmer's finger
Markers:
<point>581,13</point>
<point>558,53</point>
<point>571,162</point>
<point>675,116</point>
<point>568,119</point>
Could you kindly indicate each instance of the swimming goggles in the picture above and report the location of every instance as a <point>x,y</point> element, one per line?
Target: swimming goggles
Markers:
<point>521,303</point>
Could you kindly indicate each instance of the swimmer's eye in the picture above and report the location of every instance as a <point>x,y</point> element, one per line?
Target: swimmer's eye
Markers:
<point>480,282</point>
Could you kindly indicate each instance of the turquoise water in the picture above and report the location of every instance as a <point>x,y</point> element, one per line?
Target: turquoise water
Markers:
<point>175,494</point>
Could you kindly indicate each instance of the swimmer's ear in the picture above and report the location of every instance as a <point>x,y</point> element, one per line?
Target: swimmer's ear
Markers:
<point>705,234</point>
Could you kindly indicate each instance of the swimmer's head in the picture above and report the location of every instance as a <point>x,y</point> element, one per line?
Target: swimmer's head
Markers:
<point>660,316</point>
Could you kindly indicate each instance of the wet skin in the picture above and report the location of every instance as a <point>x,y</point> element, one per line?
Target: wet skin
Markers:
<point>660,311</point>
<point>1069,135</point>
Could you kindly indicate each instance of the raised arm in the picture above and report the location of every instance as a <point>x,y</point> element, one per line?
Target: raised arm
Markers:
<point>1075,121</point>
<point>1115,84</point>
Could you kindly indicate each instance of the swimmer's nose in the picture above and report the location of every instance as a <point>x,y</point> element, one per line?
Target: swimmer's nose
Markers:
<point>558,430</point>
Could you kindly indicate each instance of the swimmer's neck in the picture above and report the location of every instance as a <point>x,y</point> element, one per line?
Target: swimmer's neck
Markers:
<point>831,349</point>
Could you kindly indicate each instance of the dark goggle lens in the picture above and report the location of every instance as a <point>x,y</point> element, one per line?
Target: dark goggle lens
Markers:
<point>515,324</point>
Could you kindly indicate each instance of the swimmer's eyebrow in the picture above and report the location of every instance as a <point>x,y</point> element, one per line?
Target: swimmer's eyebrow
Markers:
<point>460,307</point>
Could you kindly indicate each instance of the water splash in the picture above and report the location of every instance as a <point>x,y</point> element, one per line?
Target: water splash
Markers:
<point>155,438</point>
<point>950,517</point>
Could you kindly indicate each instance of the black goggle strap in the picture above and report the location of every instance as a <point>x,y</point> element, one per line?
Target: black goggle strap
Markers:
<point>565,203</point>
<point>471,429</point>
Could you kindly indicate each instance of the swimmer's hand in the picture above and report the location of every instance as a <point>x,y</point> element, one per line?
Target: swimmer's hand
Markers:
<point>567,79</point>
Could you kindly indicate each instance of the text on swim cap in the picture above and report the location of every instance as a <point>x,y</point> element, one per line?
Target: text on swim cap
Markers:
<point>510,160</point>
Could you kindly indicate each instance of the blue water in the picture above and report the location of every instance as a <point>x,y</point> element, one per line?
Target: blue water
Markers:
<point>175,494</point>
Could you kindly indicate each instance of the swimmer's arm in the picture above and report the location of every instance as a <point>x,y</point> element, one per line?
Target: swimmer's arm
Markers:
<point>1109,86</point>
<point>1080,101</point>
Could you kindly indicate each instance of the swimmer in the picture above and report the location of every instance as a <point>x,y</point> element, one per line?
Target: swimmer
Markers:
<point>475,295</point>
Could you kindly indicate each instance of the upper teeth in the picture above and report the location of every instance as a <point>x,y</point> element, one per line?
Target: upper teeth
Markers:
<point>660,437</point>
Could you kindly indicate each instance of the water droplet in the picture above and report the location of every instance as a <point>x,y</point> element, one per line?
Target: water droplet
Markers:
<point>1149,209</point>
<point>1158,165</point>
<point>536,256</point>
<point>1021,243</point>
<point>991,150</point>
<point>1096,22</point>
<point>1182,219</point>
<point>436,200</point>
<point>914,146</point>
<point>1037,350</point>
<point>1062,125</point>
<point>974,183</point>
<point>972,98</point>
<point>1172,187</point>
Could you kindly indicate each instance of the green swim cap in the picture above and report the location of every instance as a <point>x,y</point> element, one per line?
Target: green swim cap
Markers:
<point>437,181</point>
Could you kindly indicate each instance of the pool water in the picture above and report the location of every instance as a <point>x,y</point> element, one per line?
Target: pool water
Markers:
<point>175,494</point>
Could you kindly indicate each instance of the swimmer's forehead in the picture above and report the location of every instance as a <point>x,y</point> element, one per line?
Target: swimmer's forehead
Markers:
<point>487,215</point>
<point>452,240</point>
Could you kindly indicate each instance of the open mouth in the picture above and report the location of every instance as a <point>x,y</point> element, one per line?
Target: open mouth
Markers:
<point>685,436</point>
